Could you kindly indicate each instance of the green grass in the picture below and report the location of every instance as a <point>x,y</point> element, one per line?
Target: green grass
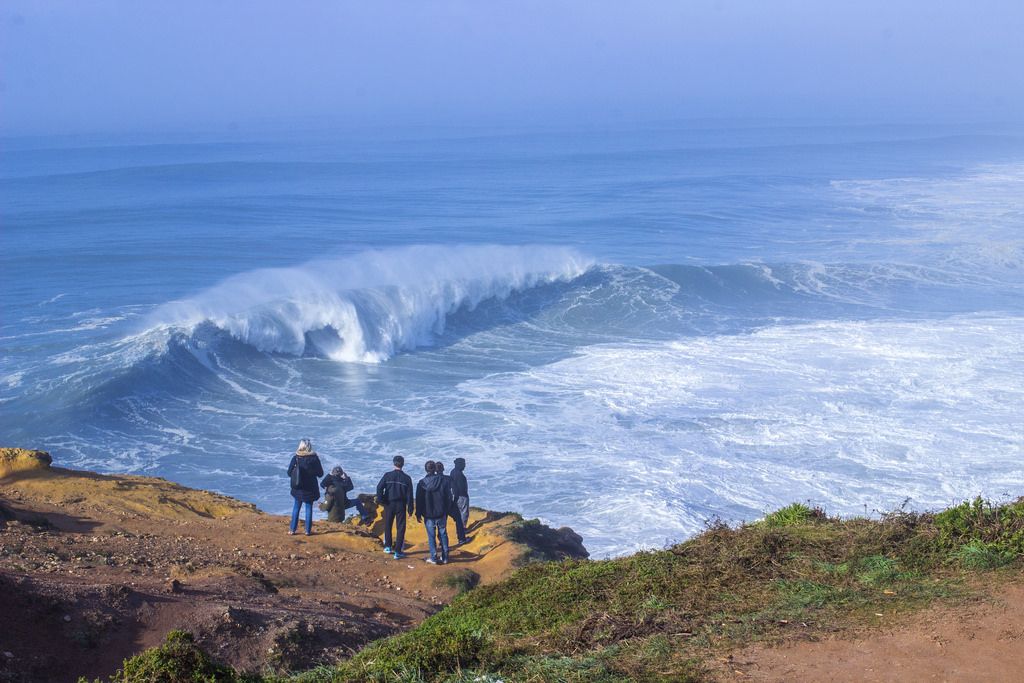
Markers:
<point>660,615</point>
<point>178,660</point>
<point>999,527</point>
<point>791,515</point>
<point>981,555</point>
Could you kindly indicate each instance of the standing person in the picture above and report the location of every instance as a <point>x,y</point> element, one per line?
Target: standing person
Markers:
<point>460,489</point>
<point>304,470</point>
<point>433,501</point>
<point>453,509</point>
<point>394,492</point>
<point>336,486</point>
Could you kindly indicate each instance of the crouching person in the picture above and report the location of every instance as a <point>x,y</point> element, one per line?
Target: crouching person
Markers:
<point>433,502</point>
<point>336,486</point>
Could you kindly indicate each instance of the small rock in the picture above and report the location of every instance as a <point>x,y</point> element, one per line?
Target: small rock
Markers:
<point>9,655</point>
<point>174,586</point>
<point>67,617</point>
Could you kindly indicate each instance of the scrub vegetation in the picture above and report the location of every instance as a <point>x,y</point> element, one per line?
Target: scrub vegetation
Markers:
<point>663,615</point>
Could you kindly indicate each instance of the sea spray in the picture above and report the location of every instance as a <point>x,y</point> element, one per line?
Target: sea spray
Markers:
<point>369,306</point>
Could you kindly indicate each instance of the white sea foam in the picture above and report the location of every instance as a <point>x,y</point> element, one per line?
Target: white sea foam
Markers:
<point>638,445</point>
<point>972,220</point>
<point>370,306</point>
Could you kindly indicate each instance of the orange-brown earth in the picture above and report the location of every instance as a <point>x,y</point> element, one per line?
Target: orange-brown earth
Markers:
<point>95,568</point>
<point>982,640</point>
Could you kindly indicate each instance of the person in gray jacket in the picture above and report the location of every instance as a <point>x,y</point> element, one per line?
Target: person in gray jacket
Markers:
<point>453,511</point>
<point>460,489</point>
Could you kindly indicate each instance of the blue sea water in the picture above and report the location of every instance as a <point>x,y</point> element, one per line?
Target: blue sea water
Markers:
<point>625,331</point>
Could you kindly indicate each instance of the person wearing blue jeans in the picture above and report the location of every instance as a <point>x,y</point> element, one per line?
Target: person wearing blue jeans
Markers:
<point>295,516</point>
<point>304,471</point>
<point>439,528</point>
<point>433,503</point>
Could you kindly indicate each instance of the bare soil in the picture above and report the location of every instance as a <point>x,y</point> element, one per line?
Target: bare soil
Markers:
<point>94,569</point>
<point>982,640</point>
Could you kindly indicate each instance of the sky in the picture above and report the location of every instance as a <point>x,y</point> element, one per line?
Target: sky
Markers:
<point>83,66</point>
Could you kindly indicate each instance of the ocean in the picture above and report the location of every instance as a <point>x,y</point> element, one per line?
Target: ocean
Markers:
<point>629,331</point>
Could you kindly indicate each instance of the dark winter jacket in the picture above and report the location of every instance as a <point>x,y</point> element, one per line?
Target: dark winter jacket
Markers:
<point>310,470</point>
<point>451,489</point>
<point>341,486</point>
<point>433,497</point>
<point>335,513</point>
<point>460,487</point>
<point>395,487</point>
<point>336,502</point>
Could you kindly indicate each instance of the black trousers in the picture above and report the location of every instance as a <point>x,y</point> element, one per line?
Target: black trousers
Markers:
<point>460,528</point>
<point>394,512</point>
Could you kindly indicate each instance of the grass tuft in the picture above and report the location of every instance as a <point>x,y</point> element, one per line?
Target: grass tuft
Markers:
<point>792,515</point>
<point>981,555</point>
<point>461,580</point>
<point>1000,527</point>
<point>178,660</point>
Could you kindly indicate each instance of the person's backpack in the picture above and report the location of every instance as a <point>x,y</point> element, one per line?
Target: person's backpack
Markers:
<point>296,476</point>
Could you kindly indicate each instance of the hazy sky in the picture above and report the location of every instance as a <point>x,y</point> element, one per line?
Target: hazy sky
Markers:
<point>137,65</point>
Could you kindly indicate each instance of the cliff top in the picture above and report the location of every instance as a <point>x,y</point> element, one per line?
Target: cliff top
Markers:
<point>118,561</point>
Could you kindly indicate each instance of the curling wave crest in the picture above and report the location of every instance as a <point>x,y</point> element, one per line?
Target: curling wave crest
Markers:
<point>370,306</point>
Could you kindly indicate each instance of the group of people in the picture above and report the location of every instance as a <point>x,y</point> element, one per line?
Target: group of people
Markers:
<point>436,498</point>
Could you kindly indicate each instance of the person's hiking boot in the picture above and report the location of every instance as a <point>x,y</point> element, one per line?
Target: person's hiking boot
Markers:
<point>431,560</point>
<point>387,549</point>
<point>399,555</point>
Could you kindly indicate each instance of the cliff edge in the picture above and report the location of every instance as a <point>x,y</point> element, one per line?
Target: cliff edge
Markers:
<point>96,568</point>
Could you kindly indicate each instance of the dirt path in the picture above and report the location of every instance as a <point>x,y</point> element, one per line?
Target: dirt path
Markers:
<point>94,569</point>
<point>979,641</point>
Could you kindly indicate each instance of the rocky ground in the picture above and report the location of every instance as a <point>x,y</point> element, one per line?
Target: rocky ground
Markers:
<point>95,568</point>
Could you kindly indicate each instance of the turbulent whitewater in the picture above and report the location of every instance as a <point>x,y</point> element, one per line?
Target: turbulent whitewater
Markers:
<point>627,334</point>
<point>368,307</point>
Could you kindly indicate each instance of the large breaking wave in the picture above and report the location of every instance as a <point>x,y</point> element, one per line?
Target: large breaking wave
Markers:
<point>369,306</point>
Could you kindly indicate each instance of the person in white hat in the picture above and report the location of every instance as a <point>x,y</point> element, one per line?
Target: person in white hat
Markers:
<point>305,471</point>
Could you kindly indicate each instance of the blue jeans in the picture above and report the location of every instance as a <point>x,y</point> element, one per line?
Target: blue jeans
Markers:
<point>438,526</point>
<point>358,505</point>
<point>309,515</point>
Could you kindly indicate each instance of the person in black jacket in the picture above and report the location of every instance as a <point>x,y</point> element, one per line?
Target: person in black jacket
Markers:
<point>394,492</point>
<point>304,470</point>
<point>460,489</point>
<point>433,502</point>
<point>336,486</point>
<point>453,509</point>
